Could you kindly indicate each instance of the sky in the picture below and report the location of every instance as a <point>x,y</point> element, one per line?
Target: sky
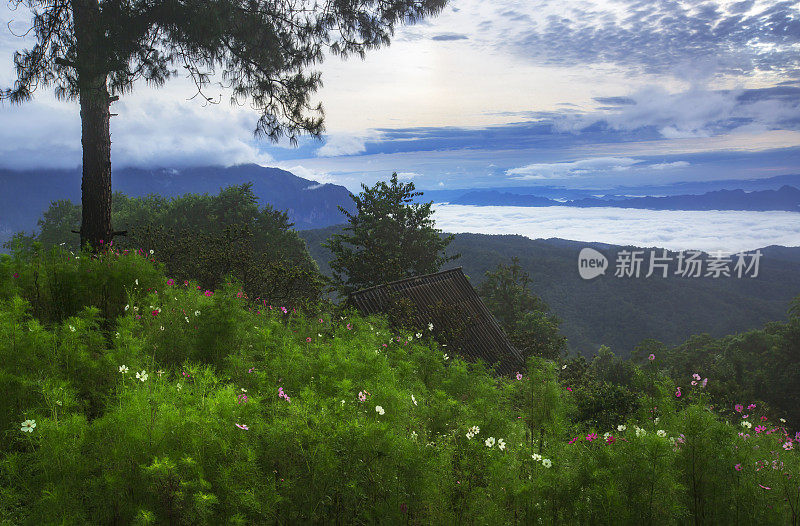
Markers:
<point>584,94</point>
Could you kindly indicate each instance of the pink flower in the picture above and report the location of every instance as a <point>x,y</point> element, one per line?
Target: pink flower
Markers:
<point>751,406</point>
<point>569,389</point>
<point>678,393</point>
<point>763,418</point>
<point>519,376</point>
<point>651,357</point>
<point>694,382</point>
<point>308,339</point>
<point>696,376</point>
<point>361,396</point>
<point>349,327</point>
<point>242,426</point>
<point>738,408</point>
<point>759,429</point>
<point>704,382</point>
<point>762,486</point>
<point>283,395</point>
<point>737,467</point>
<point>788,446</point>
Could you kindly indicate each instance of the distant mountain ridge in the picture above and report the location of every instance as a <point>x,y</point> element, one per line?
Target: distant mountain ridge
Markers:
<point>24,195</point>
<point>621,312</point>
<point>620,192</point>
<point>786,198</point>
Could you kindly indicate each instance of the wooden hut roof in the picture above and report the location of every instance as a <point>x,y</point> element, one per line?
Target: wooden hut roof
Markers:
<point>482,336</point>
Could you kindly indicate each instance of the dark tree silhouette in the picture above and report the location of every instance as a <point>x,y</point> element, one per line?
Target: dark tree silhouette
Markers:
<point>261,51</point>
<point>390,237</point>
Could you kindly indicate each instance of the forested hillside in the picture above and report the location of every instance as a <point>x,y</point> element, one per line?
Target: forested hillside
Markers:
<point>620,312</point>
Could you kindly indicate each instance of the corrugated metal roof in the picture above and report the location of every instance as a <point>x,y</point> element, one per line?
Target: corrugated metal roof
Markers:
<point>482,336</point>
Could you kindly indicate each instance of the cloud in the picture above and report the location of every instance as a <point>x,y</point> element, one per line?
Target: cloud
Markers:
<point>407,175</point>
<point>691,40</point>
<point>571,169</point>
<point>346,144</point>
<point>668,166</point>
<point>449,36</point>
<point>675,230</point>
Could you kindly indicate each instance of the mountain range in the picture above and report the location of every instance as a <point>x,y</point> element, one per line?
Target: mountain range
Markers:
<point>786,198</point>
<point>25,195</point>
<point>622,311</point>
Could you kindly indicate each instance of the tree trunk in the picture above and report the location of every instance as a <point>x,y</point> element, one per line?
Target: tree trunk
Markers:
<point>95,125</point>
<point>96,183</point>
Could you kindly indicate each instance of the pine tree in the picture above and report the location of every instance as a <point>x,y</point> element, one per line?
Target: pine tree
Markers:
<point>261,50</point>
<point>390,237</point>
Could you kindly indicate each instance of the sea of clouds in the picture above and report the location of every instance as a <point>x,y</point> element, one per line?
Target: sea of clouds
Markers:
<point>710,231</point>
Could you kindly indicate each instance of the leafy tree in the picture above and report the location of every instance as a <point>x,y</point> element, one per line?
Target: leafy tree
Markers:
<point>388,238</point>
<point>523,315</point>
<point>95,50</point>
<point>208,238</point>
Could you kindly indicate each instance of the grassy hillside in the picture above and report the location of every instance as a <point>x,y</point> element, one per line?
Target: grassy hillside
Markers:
<point>136,399</point>
<point>622,312</point>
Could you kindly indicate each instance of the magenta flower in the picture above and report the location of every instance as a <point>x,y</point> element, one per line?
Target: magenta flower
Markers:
<point>751,406</point>
<point>760,429</point>
<point>242,426</point>
<point>170,281</point>
<point>283,395</point>
<point>737,467</point>
<point>610,439</point>
<point>678,392</point>
<point>739,408</point>
<point>573,440</point>
<point>591,437</point>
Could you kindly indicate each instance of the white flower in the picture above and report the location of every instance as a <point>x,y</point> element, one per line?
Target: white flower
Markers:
<point>419,335</point>
<point>563,367</point>
<point>127,307</point>
<point>71,328</point>
<point>547,463</point>
<point>446,357</point>
<point>342,402</point>
<point>186,318</point>
<point>430,326</point>
<point>639,431</point>
<point>141,376</point>
<point>656,420</point>
<point>410,338</point>
<point>136,281</point>
<point>413,435</point>
<point>661,433</point>
<point>490,442</point>
<point>622,427</point>
<point>379,410</point>
<point>746,424</point>
<point>123,369</point>
<point>151,251</point>
<point>501,444</point>
<point>783,420</point>
<point>244,390</point>
<point>537,457</point>
<point>197,313</point>
<point>27,426</point>
<point>606,435</point>
<point>413,399</point>
<point>179,387</point>
<point>162,327</point>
